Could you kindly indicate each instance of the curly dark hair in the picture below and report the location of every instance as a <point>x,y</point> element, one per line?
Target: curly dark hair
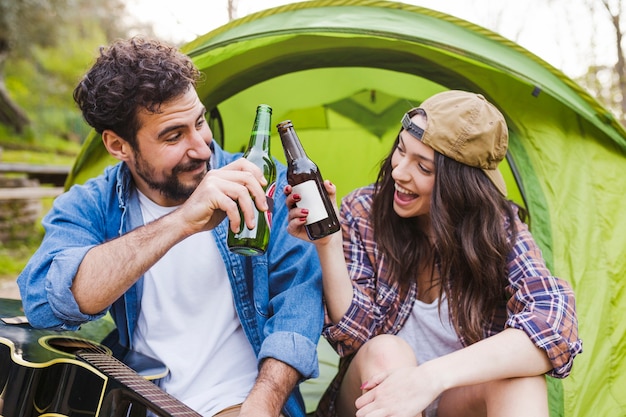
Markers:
<point>128,76</point>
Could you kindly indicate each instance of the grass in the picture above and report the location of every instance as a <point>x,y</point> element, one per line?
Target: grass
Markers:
<point>21,150</point>
<point>15,255</point>
<point>14,258</point>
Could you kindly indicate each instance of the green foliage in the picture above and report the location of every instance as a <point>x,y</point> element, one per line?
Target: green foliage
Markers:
<point>15,255</point>
<point>26,24</point>
<point>43,84</point>
<point>45,48</point>
<point>30,22</point>
<point>49,149</point>
<point>38,157</point>
<point>44,90</point>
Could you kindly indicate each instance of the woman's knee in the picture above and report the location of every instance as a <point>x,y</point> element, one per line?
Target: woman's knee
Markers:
<point>519,397</point>
<point>387,351</point>
<point>504,397</point>
<point>379,354</point>
<point>534,386</point>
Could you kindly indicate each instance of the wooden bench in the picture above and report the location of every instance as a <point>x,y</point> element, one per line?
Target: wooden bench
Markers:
<point>45,174</point>
<point>28,193</point>
<point>23,187</point>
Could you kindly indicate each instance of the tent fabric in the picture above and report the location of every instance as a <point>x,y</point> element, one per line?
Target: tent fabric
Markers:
<point>315,61</point>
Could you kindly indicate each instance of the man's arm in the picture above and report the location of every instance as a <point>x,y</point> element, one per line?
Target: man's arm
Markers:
<point>273,385</point>
<point>108,270</point>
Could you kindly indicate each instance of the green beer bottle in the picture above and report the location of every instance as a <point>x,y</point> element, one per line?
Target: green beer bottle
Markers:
<point>254,241</point>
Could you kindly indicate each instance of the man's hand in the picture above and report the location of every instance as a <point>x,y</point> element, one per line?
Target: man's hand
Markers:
<point>222,192</point>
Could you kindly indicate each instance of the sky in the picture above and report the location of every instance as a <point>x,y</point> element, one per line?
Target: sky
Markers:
<point>558,31</point>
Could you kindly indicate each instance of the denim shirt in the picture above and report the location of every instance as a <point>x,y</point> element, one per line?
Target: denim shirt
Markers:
<point>278,296</point>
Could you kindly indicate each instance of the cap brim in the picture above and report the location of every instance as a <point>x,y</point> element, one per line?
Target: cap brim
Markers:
<point>497,179</point>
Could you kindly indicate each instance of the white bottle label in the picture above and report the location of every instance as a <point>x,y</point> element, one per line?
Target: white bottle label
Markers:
<point>311,200</point>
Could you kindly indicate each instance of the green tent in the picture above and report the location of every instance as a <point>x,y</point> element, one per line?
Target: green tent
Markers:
<point>345,71</point>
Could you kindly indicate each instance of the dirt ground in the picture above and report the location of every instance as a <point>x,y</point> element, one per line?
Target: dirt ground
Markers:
<point>8,289</point>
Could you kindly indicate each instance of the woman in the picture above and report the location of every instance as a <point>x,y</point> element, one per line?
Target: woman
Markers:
<point>438,300</point>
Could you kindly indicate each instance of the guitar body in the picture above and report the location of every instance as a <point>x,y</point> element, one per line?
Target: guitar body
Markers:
<point>62,387</point>
<point>44,373</point>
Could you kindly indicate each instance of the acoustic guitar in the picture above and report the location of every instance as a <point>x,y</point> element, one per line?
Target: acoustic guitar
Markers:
<point>72,374</point>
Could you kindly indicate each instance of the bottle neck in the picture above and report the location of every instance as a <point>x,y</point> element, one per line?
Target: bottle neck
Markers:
<point>260,136</point>
<point>291,143</point>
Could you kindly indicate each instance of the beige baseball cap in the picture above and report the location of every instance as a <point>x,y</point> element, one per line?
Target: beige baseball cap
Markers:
<point>465,127</point>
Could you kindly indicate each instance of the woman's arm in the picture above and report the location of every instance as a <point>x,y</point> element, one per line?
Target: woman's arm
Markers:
<point>508,354</point>
<point>335,277</point>
<point>542,305</point>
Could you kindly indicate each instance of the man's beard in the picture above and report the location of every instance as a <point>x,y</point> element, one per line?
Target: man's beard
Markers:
<point>171,188</point>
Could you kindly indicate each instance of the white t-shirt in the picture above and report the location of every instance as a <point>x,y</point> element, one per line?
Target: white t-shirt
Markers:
<point>189,322</point>
<point>429,333</point>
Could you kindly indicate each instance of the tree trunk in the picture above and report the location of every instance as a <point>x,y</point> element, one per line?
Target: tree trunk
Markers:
<point>10,113</point>
<point>232,9</point>
<point>620,65</point>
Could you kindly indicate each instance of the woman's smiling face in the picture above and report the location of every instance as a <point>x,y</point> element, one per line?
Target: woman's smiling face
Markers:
<point>413,170</point>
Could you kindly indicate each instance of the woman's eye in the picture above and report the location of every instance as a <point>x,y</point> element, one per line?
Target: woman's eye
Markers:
<point>425,169</point>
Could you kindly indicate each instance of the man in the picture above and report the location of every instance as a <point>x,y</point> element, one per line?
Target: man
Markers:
<point>147,241</point>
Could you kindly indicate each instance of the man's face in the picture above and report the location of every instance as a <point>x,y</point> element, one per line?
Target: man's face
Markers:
<point>172,152</point>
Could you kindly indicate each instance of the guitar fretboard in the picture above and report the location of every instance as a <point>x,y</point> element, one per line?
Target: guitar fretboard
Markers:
<point>161,403</point>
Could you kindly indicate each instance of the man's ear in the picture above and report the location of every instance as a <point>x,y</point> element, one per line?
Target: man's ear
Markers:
<point>116,145</point>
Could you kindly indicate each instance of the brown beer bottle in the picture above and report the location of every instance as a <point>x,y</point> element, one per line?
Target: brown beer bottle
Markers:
<point>254,241</point>
<point>305,179</point>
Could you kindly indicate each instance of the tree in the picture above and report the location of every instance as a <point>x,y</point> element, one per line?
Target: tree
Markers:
<point>599,68</point>
<point>23,23</point>
<point>607,82</point>
<point>44,47</point>
<point>232,9</point>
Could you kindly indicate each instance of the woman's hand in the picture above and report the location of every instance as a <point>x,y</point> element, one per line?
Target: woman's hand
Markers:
<point>298,215</point>
<point>403,392</point>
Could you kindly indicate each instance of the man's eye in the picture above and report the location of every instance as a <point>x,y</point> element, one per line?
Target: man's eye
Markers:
<point>173,138</point>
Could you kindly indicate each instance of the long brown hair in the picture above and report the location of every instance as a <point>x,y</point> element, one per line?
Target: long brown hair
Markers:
<point>401,240</point>
<point>470,248</point>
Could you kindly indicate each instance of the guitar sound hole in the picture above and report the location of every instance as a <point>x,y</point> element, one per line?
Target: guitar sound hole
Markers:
<point>72,346</point>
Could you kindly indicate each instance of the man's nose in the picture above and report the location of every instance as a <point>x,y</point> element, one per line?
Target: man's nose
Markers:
<point>199,147</point>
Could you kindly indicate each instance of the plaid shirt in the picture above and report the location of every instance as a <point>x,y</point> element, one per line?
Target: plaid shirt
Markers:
<point>541,305</point>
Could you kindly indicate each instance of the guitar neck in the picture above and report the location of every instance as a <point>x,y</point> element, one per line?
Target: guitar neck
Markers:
<point>157,400</point>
